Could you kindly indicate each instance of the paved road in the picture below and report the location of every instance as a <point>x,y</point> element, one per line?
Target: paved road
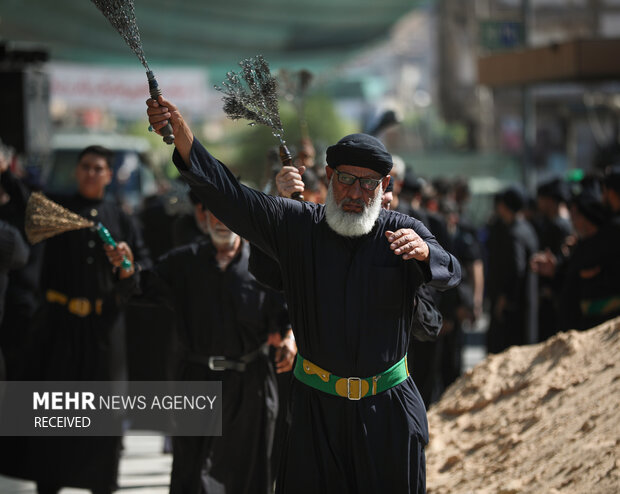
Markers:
<point>143,470</point>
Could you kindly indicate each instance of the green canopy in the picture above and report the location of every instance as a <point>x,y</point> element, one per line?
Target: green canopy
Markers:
<point>311,34</point>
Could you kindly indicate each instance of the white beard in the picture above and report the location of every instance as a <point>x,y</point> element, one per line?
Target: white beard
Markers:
<point>222,239</point>
<point>349,224</point>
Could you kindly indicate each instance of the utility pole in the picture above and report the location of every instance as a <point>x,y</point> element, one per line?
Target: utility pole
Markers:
<point>528,109</point>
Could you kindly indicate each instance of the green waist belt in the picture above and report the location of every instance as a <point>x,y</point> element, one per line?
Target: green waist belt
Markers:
<point>352,388</point>
<point>601,306</point>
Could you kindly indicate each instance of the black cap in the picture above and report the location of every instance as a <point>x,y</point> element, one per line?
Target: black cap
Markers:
<point>513,197</point>
<point>360,150</point>
<point>588,199</point>
<point>412,184</point>
<point>556,189</point>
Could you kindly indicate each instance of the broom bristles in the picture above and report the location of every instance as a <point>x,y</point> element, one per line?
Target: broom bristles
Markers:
<point>45,219</point>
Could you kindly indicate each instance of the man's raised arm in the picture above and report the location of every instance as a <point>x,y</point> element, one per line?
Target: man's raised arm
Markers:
<point>252,214</point>
<point>161,112</point>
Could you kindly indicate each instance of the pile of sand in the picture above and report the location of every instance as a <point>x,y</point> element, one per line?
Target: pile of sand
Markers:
<point>542,418</point>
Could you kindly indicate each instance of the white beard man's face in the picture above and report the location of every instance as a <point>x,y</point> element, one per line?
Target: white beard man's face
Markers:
<point>221,236</point>
<point>349,223</point>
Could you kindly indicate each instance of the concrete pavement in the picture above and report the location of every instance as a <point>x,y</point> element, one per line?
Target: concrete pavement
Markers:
<point>144,469</point>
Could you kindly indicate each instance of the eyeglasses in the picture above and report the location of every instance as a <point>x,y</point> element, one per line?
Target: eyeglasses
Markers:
<point>369,184</point>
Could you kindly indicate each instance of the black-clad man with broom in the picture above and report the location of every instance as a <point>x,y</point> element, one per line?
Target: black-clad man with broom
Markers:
<point>79,333</point>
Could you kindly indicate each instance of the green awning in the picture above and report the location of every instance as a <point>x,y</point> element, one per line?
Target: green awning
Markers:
<point>311,34</point>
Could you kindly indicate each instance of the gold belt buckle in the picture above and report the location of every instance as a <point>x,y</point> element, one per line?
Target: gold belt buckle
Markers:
<point>359,388</point>
<point>344,388</point>
<point>80,306</point>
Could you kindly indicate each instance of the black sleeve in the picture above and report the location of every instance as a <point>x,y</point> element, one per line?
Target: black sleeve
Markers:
<point>265,269</point>
<point>469,248</point>
<point>13,249</point>
<point>427,321</point>
<point>277,313</point>
<point>442,271</point>
<point>255,216</point>
<point>157,283</point>
<point>16,189</point>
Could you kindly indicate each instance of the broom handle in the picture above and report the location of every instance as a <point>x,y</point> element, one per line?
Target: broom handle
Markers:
<point>105,235</point>
<point>156,93</point>
<point>287,160</point>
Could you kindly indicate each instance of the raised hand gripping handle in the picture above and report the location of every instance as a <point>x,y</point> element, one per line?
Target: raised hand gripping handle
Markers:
<point>287,160</point>
<point>156,93</point>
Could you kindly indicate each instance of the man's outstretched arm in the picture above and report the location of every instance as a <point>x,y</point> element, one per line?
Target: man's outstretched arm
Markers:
<point>161,112</point>
<point>249,213</point>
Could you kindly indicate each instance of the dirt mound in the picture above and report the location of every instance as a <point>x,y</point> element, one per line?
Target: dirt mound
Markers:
<point>542,418</point>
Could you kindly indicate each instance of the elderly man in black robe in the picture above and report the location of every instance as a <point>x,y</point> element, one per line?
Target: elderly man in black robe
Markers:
<point>350,271</point>
<point>224,321</point>
<point>427,321</point>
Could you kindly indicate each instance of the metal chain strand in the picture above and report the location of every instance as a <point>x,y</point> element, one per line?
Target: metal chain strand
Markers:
<point>121,15</point>
<point>252,95</point>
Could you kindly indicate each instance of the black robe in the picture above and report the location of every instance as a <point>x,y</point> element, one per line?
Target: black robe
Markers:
<point>69,347</point>
<point>591,290</point>
<point>221,313</point>
<point>22,300</point>
<point>552,233</point>
<point>351,302</point>
<point>509,276</point>
<point>13,255</point>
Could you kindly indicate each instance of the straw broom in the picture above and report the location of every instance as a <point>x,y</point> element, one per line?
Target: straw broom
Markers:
<point>46,219</point>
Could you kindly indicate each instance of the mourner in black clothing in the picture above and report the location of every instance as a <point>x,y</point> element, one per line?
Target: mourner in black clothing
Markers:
<point>460,304</point>
<point>151,347</point>
<point>22,300</point>
<point>410,198</point>
<point>591,293</point>
<point>20,304</point>
<point>222,314</point>
<point>428,321</point>
<point>350,271</point>
<point>79,328</point>
<point>13,255</point>
<point>552,230</point>
<point>551,227</point>
<point>512,286</point>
